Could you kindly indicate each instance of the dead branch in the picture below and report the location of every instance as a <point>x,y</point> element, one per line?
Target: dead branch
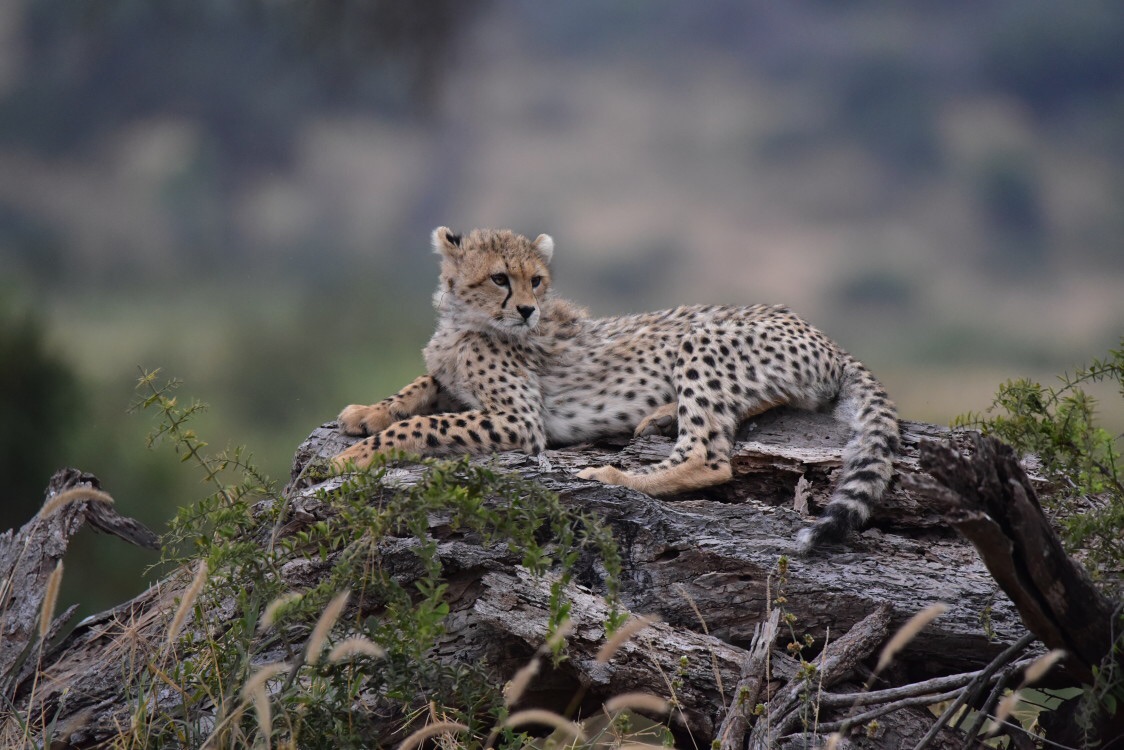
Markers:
<point>755,674</point>
<point>989,499</point>
<point>29,556</point>
<point>987,496</point>
<point>834,663</point>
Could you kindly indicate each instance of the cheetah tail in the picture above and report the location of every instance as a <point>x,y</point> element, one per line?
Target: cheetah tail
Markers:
<point>867,459</point>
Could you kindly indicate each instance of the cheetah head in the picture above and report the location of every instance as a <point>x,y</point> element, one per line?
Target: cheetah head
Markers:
<point>493,279</point>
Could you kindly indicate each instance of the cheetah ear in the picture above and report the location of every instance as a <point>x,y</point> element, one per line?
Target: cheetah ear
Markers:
<point>446,242</point>
<point>544,243</point>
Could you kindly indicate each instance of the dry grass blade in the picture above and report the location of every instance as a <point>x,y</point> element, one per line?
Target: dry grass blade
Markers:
<point>264,713</point>
<point>324,625</point>
<point>514,689</point>
<point>432,730</point>
<point>561,633</point>
<point>256,682</point>
<point>254,691</point>
<point>630,628</point>
<point>908,632</point>
<point>74,495</point>
<point>1040,666</point>
<point>549,718</point>
<point>355,646</point>
<point>1003,710</point>
<point>637,702</point>
<point>269,616</point>
<point>706,630</point>
<point>163,676</point>
<point>50,599</point>
<point>188,601</point>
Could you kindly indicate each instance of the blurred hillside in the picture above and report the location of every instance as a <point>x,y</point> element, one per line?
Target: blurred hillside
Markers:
<point>241,191</point>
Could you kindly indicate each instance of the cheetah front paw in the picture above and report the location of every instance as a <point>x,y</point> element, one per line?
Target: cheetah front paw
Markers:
<point>358,419</point>
<point>606,474</point>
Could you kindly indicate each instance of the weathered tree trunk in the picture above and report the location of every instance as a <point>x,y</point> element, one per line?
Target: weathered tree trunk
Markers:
<point>29,558</point>
<point>704,563</point>
<point>987,497</point>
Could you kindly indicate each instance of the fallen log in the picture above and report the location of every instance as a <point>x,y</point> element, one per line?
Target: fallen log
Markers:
<point>706,564</point>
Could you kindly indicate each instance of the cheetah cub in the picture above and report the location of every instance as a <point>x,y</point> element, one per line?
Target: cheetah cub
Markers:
<point>512,367</point>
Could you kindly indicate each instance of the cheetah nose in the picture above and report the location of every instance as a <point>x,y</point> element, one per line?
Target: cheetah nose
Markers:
<point>526,311</point>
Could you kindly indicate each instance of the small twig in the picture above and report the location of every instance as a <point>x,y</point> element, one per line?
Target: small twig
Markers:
<point>1009,725</point>
<point>917,700</point>
<point>983,677</point>
<point>989,705</point>
<point>819,687</point>
<point>835,662</point>
<point>925,687</point>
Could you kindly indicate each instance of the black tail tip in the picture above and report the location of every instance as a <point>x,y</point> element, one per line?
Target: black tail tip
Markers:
<point>826,530</point>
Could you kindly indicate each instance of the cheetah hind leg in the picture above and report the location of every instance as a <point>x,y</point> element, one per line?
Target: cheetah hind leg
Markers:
<point>663,421</point>
<point>692,474</point>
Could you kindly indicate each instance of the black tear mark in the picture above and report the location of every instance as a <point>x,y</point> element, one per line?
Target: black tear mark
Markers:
<point>510,291</point>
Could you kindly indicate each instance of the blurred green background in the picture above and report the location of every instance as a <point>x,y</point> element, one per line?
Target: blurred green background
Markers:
<point>241,192</point>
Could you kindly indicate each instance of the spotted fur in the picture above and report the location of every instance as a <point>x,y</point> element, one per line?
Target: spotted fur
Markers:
<point>512,367</point>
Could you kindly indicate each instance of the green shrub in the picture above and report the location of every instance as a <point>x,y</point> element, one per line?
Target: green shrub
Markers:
<point>1058,424</point>
<point>40,406</point>
<point>1083,461</point>
<point>276,638</point>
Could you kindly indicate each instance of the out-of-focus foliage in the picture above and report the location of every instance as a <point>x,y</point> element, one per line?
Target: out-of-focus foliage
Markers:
<point>250,72</point>
<point>1056,61</point>
<point>886,104</point>
<point>40,407</point>
<point>1009,195</point>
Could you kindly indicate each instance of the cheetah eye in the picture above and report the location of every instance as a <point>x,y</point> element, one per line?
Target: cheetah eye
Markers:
<point>535,281</point>
<point>500,279</point>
